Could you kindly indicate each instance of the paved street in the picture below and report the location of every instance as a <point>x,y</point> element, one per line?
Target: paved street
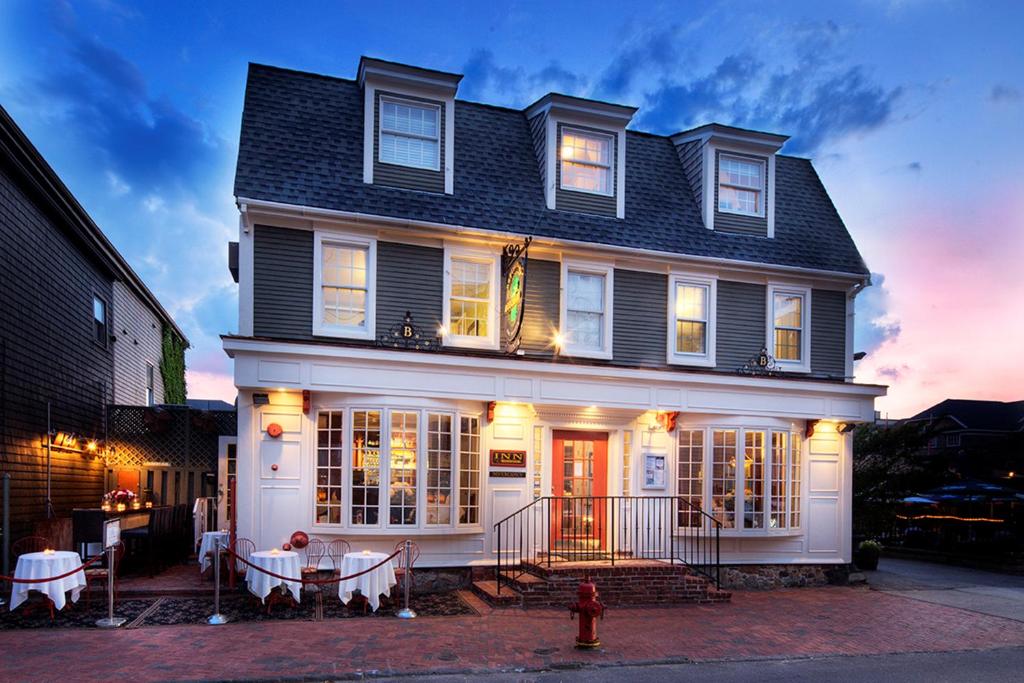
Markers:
<point>992,666</point>
<point>970,589</point>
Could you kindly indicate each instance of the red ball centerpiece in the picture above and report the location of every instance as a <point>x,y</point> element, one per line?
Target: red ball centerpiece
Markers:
<point>299,540</point>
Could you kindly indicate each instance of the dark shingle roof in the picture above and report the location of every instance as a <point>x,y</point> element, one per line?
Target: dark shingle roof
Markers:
<point>302,143</point>
<point>999,416</point>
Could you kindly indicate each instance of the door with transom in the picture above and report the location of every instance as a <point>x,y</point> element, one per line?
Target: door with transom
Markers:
<point>579,482</point>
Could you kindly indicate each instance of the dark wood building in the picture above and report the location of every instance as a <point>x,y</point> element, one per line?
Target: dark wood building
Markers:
<point>80,330</point>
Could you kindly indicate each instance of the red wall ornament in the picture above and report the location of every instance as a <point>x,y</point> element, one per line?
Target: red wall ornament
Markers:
<point>305,401</point>
<point>490,410</point>
<point>668,420</point>
<point>811,424</point>
<point>274,430</point>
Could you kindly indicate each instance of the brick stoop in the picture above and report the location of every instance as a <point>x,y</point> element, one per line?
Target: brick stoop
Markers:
<point>628,583</point>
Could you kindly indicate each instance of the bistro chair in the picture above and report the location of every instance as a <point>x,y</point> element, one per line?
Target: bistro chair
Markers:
<point>30,544</point>
<point>100,575</point>
<point>244,548</point>
<point>336,551</point>
<point>414,554</point>
<point>315,551</point>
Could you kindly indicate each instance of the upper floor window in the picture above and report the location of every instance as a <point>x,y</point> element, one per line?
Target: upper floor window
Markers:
<point>586,311</point>
<point>471,286</point>
<point>344,280</point>
<point>150,386</point>
<point>953,440</point>
<point>741,185</point>
<point>410,134</point>
<point>692,320</point>
<point>586,161</point>
<point>99,318</point>
<point>788,339</point>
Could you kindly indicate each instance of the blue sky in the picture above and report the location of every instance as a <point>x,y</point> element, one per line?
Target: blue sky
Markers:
<point>912,111</point>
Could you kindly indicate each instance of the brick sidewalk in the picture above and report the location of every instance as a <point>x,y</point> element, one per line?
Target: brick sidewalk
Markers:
<point>788,623</point>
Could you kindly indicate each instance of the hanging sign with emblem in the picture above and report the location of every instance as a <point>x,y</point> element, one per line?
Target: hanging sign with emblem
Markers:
<point>513,269</point>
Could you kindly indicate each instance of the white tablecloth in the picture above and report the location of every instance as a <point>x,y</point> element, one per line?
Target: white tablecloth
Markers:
<point>42,565</point>
<point>284,563</point>
<point>206,546</point>
<point>371,584</point>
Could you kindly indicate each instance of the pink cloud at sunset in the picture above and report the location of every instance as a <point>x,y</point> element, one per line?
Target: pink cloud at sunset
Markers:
<point>955,281</point>
<point>210,385</point>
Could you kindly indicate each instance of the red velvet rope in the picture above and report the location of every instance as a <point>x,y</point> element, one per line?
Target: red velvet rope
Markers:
<point>55,578</point>
<point>316,582</point>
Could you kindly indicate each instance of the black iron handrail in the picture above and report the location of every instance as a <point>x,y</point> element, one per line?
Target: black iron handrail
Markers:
<point>554,529</point>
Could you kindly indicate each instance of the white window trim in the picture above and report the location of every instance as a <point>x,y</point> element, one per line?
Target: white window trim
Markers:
<point>608,271</point>
<point>762,191</point>
<point>707,359</point>
<point>410,103</point>
<point>738,530</point>
<point>493,337</point>
<point>610,167</point>
<point>804,365</point>
<point>368,331</point>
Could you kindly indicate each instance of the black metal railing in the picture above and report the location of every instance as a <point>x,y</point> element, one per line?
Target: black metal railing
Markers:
<point>555,529</point>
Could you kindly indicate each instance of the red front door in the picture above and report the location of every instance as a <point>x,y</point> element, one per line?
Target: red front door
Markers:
<point>579,483</point>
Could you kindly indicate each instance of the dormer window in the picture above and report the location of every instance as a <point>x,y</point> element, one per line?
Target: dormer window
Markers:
<point>410,134</point>
<point>586,161</point>
<point>741,186</point>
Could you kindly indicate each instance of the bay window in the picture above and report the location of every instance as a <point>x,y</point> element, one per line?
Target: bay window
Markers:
<point>471,295</point>
<point>692,303</point>
<point>344,286</point>
<point>789,326</point>
<point>410,134</point>
<point>741,185</point>
<point>586,310</point>
<point>753,481</point>
<point>397,469</point>
<point>586,161</point>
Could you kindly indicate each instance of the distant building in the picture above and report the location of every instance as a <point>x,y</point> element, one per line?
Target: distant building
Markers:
<point>981,439</point>
<point>81,331</point>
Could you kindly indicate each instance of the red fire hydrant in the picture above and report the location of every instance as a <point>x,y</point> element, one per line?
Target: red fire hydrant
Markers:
<point>590,610</point>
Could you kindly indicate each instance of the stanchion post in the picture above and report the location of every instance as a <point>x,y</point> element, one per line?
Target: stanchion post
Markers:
<point>406,612</point>
<point>110,621</point>
<point>216,619</point>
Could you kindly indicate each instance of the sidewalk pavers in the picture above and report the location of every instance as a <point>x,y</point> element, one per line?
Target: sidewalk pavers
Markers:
<point>787,623</point>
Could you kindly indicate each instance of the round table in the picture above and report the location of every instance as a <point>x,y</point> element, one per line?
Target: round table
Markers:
<point>282,562</point>
<point>206,546</point>
<point>371,585</point>
<point>42,565</point>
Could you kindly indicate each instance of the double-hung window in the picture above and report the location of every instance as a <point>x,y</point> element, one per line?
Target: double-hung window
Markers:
<point>789,320</point>
<point>741,185</point>
<point>410,134</point>
<point>150,386</point>
<point>344,287</point>
<point>692,320</point>
<point>586,161</point>
<point>586,310</point>
<point>471,291</point>
<point>99,320</point>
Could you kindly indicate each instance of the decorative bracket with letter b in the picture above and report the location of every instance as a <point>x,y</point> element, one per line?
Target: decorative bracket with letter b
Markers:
<point>408,335</point>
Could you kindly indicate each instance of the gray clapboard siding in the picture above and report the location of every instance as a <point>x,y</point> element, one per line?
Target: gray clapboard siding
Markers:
<point>691,156</point>
<point>540,319</point>
<point>639,319</point>
<point>396,175</point>
<point>585,202</point>
<point>743,225</point>
<point>828,332</point>
<point>282,283</point>
<point>409,278</point>
<point>538,131</point>
<point>741,323</point>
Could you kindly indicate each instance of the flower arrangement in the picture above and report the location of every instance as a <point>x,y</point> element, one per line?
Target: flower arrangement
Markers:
<point>119,497</point>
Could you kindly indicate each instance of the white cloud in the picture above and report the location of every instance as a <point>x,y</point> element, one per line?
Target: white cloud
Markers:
<point>118,187</point>
<point>154,203</point>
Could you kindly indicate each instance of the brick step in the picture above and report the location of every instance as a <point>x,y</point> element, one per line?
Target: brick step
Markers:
<point>488,592</point>
<point>640,582</point>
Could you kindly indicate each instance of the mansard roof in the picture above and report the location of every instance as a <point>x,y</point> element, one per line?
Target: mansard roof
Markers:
<point>302,144</point>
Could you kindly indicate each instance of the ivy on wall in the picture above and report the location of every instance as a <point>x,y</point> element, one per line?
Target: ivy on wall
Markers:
<point>172,367</point>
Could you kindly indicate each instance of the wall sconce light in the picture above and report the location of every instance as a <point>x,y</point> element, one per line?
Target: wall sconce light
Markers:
<point>845,427</point>
<point>442,331</point>
<point>558,339</point>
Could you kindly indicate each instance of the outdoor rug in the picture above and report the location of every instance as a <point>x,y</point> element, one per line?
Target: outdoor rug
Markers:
<point>74,615</point>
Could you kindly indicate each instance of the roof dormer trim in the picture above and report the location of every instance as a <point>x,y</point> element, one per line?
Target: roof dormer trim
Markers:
<point>581,110</point>
<point>732,137</point>
<point>397,75</point>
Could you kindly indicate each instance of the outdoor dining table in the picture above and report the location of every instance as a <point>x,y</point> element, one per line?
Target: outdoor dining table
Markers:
<point>206,548</point>
<point>372,584</point>
<point>281,562</point>
<point>45,564</point>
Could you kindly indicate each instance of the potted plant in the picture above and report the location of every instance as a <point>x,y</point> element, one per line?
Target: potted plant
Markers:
<point>867,555</point>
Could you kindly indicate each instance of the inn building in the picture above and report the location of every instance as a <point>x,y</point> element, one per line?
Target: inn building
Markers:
<point>536,333</point>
